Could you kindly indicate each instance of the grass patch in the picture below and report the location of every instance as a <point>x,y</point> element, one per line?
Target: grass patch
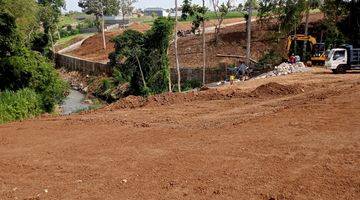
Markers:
<point>233,14</point>
<point>64,40</point>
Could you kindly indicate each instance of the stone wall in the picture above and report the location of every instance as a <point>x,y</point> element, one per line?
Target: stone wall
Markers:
<point>211,74</point>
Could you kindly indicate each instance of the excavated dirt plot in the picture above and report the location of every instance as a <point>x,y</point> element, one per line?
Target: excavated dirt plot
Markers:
<point>93,48</point>
<point>300,143</point>
<point>233,41</point>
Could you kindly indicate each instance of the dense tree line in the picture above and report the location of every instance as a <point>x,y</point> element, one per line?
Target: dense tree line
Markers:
<point>26,75</point>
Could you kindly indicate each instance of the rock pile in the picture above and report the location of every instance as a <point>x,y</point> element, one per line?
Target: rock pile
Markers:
<point>76,80</point>
<point>284,69</point>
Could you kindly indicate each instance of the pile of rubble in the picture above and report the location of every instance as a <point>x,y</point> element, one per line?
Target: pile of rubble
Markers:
<point>284,69</point>
<point>75,79</point>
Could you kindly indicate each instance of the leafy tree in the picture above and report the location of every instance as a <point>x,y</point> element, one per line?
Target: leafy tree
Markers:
<point>21,68</point>
<point>293,15</point>
<point>351,24</point>
<point>198,15</point>
<point>127,7</point>
<point>270,9</point>
<point>342,19</point>
<point>26,15</point>
<point>100,8</point>
<point>9,37</point>
<point>221,10</point>
<point>127,47</point>
<point>186,9</point>
<point>142,59</point>
<point>334,11</point>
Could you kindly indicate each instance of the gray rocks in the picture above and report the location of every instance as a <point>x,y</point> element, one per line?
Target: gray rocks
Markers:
<point>284,69</point>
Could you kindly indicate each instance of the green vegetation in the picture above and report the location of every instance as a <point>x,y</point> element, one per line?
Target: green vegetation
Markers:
<point>189,85</point>
<point>147,63</point>
<point>19,105</point>
<point>142,59</point>
<point>27,69</point>
<point>67,41</point>
<point>229,15</point>
<point>25,76</point>
<point>74,23</point>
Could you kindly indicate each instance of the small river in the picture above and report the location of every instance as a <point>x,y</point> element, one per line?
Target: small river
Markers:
<point>74,103</point>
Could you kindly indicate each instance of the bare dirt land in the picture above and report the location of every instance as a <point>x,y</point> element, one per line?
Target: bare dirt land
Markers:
<point>232,41</point>
<point>289,137</point>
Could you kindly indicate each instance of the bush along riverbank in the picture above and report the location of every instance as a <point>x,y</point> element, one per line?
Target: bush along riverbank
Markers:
<point>29,83</point>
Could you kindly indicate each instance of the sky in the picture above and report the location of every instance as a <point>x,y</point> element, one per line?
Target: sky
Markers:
<point>71,5</point>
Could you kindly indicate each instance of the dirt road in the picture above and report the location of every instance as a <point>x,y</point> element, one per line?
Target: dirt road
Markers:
<point>295,138</point>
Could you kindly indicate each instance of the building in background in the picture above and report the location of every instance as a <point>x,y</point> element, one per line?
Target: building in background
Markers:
<point>160,12</point>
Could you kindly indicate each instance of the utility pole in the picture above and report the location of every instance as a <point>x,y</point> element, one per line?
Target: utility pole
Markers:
<point>204,45</point>
<point>176,46</point>
<point>248,32</point>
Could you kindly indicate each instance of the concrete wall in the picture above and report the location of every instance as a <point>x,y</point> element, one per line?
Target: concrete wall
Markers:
<point>96,69</point>
<point>84,66</point>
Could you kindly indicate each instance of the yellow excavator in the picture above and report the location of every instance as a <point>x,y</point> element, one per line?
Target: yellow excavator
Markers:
<point>316,50</point>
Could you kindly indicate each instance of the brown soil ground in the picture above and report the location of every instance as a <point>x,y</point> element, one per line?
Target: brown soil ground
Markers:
<point>210,23</point>
<point>68,43</point>
<point>92,48</point>
<point>233,41</point>
<point>288,137</point>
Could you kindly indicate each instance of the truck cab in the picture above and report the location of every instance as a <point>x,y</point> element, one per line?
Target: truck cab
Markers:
<point>344,58</point>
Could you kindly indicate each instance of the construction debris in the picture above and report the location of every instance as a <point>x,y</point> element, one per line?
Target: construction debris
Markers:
<point>284,69</point>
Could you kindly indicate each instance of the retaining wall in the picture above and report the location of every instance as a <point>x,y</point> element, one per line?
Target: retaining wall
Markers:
<point>84,66</point>
<point>211,74</point>
<point>96,69</point>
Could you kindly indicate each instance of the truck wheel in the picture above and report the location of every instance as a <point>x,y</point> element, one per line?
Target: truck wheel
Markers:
<point>335,71</point>
<point>341,69</point>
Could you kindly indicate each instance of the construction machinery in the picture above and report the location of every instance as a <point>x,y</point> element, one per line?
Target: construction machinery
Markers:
<point>314,52</point>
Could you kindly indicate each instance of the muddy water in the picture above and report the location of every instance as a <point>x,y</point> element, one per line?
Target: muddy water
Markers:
<point>74,103</point>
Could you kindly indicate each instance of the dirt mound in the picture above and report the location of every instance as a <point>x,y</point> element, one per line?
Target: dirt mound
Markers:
<point>175,98</point>
<point>92,48</point>
<point>275,89</point>
<point>128,102</point>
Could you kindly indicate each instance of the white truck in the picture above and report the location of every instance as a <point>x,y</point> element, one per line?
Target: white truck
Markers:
<point>344,58</point>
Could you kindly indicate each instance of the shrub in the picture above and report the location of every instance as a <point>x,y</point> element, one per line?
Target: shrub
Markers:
<point>191,84</point>
<point>142,60</point>
<point>30,69</point>
<point>28,81</point>
<point>270,58</point>
<point>19,105</point>
<point>267,62</point>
